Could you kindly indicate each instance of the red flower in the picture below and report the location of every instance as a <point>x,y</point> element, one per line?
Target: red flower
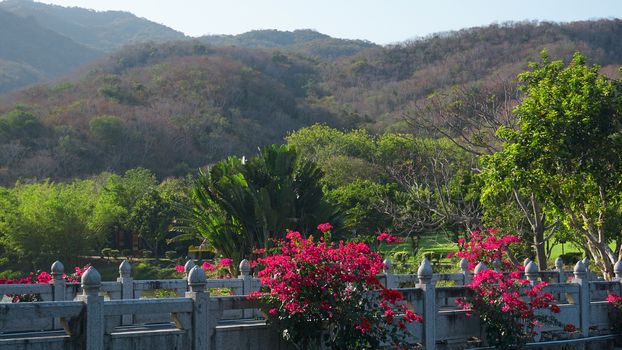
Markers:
<point>180,268</point>
<point>324,227</point>
<point>389,238</point>
<point>570,328</point>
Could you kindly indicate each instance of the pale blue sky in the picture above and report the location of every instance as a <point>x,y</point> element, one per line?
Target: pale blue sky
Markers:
<point>380,21</point>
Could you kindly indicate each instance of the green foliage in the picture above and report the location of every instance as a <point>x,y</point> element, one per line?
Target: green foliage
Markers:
<point>107,129</point>
<point>19,123</point>
<point>240,205</point>
<point>50,221</point>
<point>567,150</point>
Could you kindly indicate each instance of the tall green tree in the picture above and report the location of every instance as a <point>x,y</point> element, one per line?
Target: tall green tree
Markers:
<point>567,151</point>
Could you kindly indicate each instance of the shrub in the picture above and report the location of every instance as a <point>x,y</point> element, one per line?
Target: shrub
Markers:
<point>145,253</point>
<point>106,252</point>
<point>321,286</point>
<point>504,301</point>
<point>114,253</point>
<point>170,254</point>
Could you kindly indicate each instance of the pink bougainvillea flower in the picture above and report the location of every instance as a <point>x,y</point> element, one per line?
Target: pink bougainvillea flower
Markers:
<point>389,238</point>
<point>180,268</point>
<point>225,262</point>
<point>324,227</point>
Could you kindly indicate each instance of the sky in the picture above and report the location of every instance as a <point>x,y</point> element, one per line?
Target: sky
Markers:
<point>379,21</point>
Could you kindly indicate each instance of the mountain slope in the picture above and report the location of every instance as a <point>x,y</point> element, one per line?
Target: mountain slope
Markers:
<point>105,31</point>
<point>29,52</point>
<point>173,107</point>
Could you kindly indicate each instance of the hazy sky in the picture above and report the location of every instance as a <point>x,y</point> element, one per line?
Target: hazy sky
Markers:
<point>380,21</point>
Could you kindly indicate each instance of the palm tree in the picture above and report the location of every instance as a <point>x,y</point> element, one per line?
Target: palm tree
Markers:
<point>240,205</point>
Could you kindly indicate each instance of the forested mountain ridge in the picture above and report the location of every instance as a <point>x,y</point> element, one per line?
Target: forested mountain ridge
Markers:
<point>176,106</point>
<point>304,41</point>
<point>100,30</point>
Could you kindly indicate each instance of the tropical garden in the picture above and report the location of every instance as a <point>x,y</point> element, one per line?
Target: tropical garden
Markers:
<point>544,167</point>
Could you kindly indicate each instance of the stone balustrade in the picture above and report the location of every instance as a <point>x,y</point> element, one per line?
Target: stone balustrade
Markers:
<point>97,315</point>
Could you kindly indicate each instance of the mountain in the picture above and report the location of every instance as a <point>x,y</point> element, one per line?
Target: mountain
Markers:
<point>169,107</point>
<point>382,85</point>
<point>304,41</point>
<point>103,31</point>
<point>30,52</point>
<point>175,106</point>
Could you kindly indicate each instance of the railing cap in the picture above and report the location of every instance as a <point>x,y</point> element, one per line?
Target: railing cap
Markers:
<point>464,265</point>
<point>197,277</point>
<point>526,262</point>
<point>91,278</point>
<point>531,268</point>
<point>617,268</point>
<point>245,267</point>
<point>189,265</point>
<point>387,265</point>
<point>425,269</point>
<point>480,267</point>
<point>57,268</point>
<point>125,269</point>
<point>580,267</point>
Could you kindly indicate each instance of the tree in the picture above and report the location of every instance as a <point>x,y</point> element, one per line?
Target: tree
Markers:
<point>240,205</point>
<point>152,214</point>
<point>567,151</point>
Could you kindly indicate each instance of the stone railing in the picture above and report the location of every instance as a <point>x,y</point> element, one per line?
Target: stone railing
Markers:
<point>98,315</point>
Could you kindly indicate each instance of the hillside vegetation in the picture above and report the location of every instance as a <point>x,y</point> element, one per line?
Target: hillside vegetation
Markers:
<point>176,106</point>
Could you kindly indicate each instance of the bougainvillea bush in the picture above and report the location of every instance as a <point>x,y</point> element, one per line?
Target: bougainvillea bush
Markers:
<point>505,302</point>
<point>320,288</point>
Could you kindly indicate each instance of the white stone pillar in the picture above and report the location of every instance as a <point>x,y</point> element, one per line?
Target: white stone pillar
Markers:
<point>424,273</point>
<point>581,279</point>
<point>59,287</point>
<point>247,284</point>
<point>201,328</point>
<point>127,288</point>
<point>93,328</point>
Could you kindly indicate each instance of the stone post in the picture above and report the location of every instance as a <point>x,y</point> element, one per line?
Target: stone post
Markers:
<point>586,262</point>
<point>497,265</point>
<point>388,274</point>
<point>532,273</point>
<point>617,269</point>
<point>424,273</point>
<point>59,287</point>
<point>188,267</point>
<point>201,328</point>
<point>247,284</point>
<point>580,278</point>
<point>464,268</point>
<point>127,288</point>
<point>561,278</point>
<point>479,268</point>
<point>93,328</point>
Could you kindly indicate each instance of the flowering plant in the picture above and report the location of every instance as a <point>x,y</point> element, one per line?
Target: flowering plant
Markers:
<point>220,269</point>
<point>319,286</point>
<point>41,278</point>
<point>615,300</point>
<point>504,301</point>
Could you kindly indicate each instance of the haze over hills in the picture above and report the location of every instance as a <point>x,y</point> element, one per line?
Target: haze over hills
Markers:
<point>175,106</point>
<point>103,31</point>
<point>30,52</point>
